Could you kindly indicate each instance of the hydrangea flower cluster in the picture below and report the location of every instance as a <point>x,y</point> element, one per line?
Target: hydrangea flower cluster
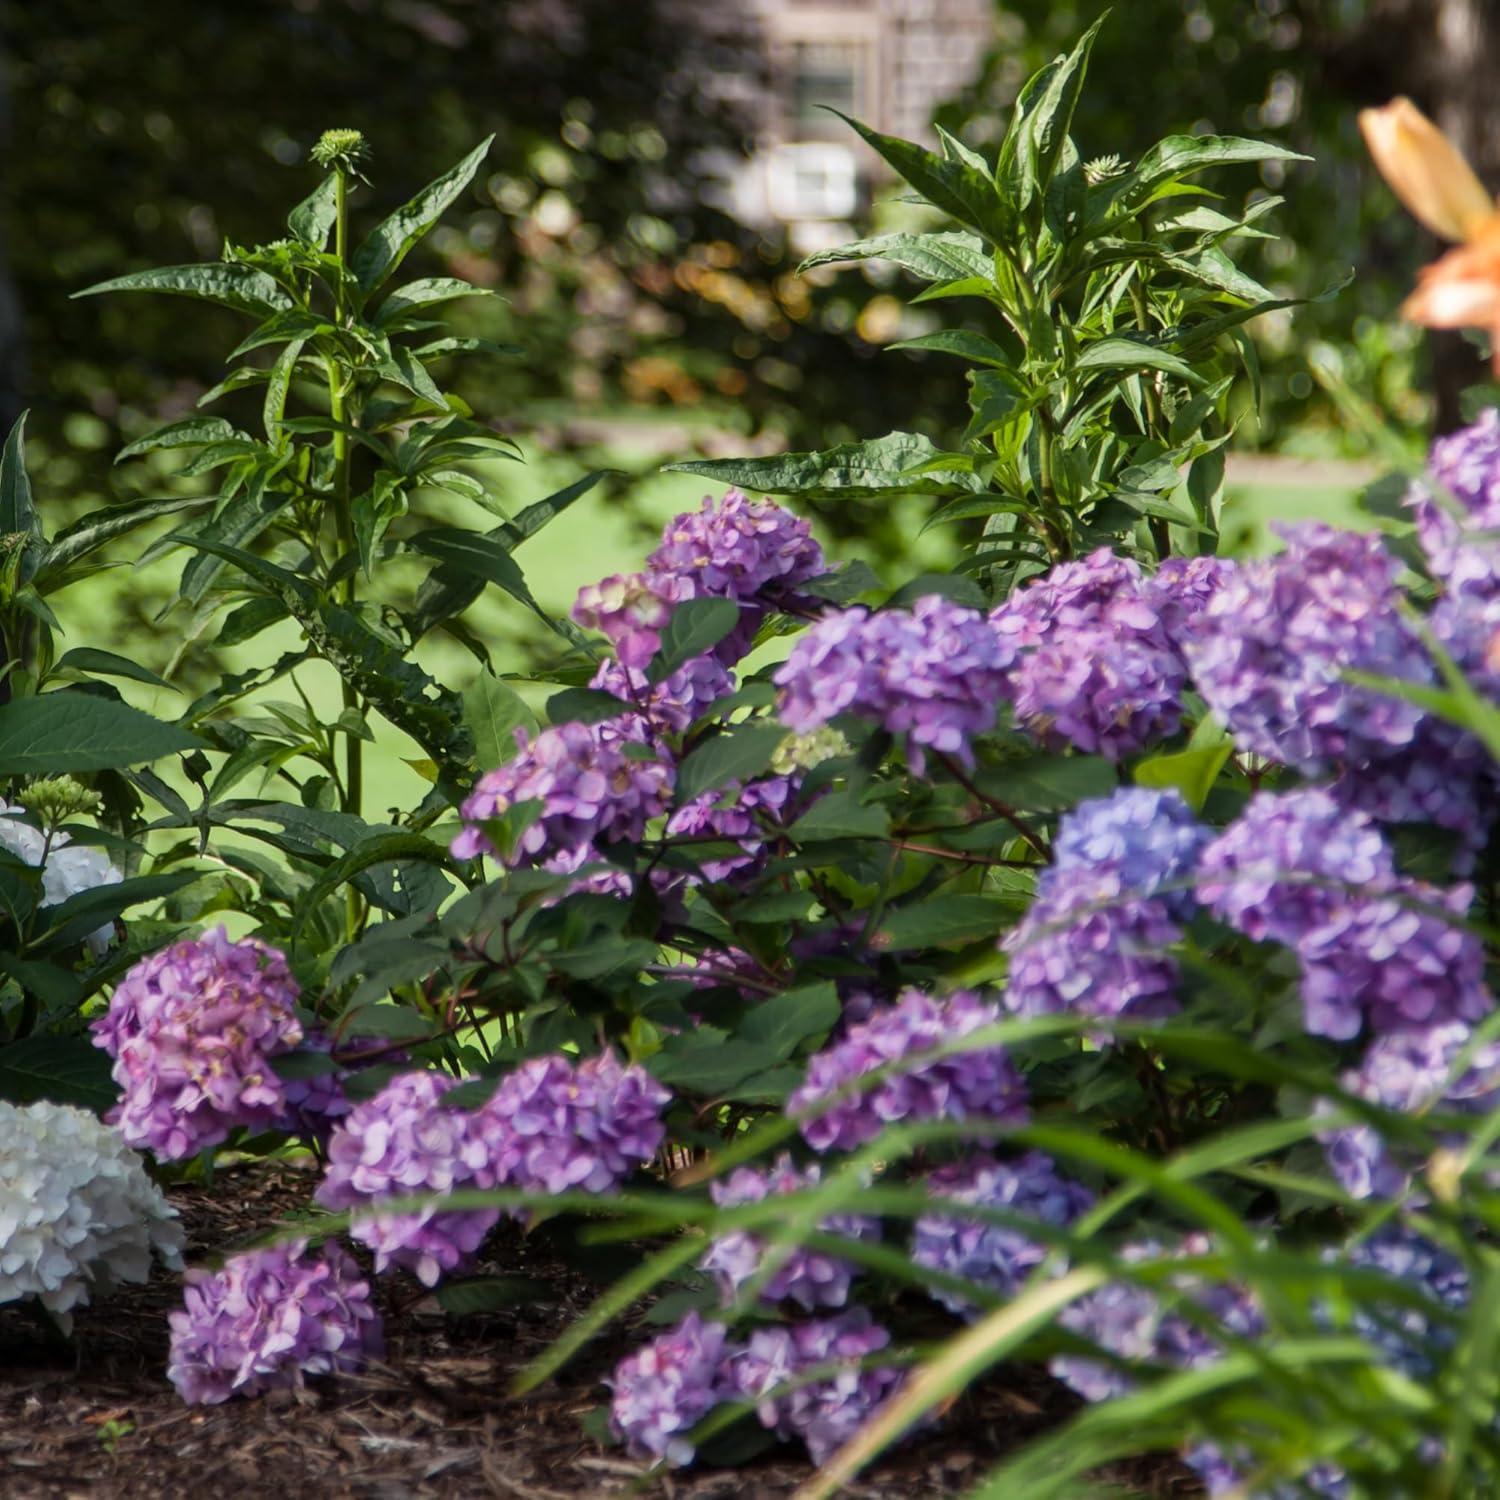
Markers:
<point>557,1126</point>
<point>751,551</point>
<point>934,674</point>
<point>1463,549</point>
<point>979,1084</point>
<point>403,1143</point>
<point>810,1278</point>
<point>735,816</point>
<point>825,1413</point>
<point>592,791</point>
<point>1180,589</point>
<point>78,1214</point>
<point>1107,910</point>
<point>999,1257</point>
<point>663,1390</point>
<point>193,1030</point>
<point>1373,945</point>
<point>269,1319</point>
<point>1096,666</point>
<point>1131,1322</point>
<point>671,705</point>
<point>1271,650</point>
<point>67,868</point>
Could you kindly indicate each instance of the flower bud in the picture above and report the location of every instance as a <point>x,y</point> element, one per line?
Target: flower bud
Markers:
<point>1425,170</point>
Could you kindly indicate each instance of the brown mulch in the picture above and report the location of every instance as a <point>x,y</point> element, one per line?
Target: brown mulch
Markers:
<point>434,1420</point>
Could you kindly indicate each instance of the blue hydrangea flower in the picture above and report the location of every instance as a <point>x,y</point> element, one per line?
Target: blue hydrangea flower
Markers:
<point>996,1256</point>
<point>1463,549</point>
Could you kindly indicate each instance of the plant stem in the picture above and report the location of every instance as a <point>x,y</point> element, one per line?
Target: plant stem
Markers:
<point>353,788</point>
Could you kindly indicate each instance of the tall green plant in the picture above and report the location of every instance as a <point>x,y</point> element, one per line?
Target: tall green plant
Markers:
<point>355,447</point>
<point>1110,327</point>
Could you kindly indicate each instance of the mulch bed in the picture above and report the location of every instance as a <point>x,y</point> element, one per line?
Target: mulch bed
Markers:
<point>433,1421</point>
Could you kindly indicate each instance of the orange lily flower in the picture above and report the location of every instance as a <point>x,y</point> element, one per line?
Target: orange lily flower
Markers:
<point>1429,175</point>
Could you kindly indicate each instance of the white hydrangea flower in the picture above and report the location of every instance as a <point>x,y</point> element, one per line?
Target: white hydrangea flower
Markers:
<point>78,1214</point>
<point>70,867</point>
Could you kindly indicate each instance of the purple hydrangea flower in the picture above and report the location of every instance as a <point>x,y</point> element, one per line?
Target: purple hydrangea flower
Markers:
<point>591,790</point>
<point>1138,1325</point>
<point>1145,839</point>
<point>192,1030</point>
<point>664,1389</point>
<point>824,1413</point>
<point>1223,1473</point>
<point>1288,861</point>
<point>1084,947</point>
<point>737,548</point>
<point>1180,589</point>
<point>672,705</point>
<point>1405,1070</point>
<point>1096,667</point>
<point>1271,651</point>
<point>632,610</point>
<point>978,1084</point>
<point>1463,550</point>
<point>811,1278</point>
<point>1102,589</point>
<point>1381,957</point>
<point>996,1256</point>
<point>737,816</point>
<point>267,1320</point>
<point>1101,692</point>
<point>561,1126</point>
<point>934,674</point>
<point>403,1143</point>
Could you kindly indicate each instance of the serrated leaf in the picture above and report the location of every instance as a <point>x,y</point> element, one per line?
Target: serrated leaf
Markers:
<point>933,257</point>
<point>62,1069</point>
<point>107,664</point>
<point>943,921</point>
<point>91,532</point>
<point>1048,783</point>
<point>478,555</point>
<point>241,521</point>
<point>1116,353</point>
<point>840,815</point>
<point>962,342</point>
<point>1051,118</point>
<point>382,849</point>
<point>709,1067</point>
<point>781,1023</point>
<point>958,189</point>
<point>387,245</point>
<point>190,432</point>
<point>493,712</point>
<point>17,509</point>
<point>425,293</point>
<point>738,755</point>
<point>852,471</point>
<point>1174,155</point>
<point>72,920</point>
<point>696,626</point>
<point>314,216</point>
<point>72,731</point>
<point>585,706</point>
<point>240,287</point>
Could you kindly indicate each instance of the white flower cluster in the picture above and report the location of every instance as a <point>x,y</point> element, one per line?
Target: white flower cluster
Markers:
<point>70,868</point>
<point>78,1214</point>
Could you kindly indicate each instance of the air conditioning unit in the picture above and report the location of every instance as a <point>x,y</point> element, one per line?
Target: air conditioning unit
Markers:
<point>811,180</point>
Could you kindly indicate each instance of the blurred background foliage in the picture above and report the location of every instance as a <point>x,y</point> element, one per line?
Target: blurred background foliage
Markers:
<point>654,323</point>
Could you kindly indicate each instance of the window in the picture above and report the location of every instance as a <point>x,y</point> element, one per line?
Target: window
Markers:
<point>825,75</point>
